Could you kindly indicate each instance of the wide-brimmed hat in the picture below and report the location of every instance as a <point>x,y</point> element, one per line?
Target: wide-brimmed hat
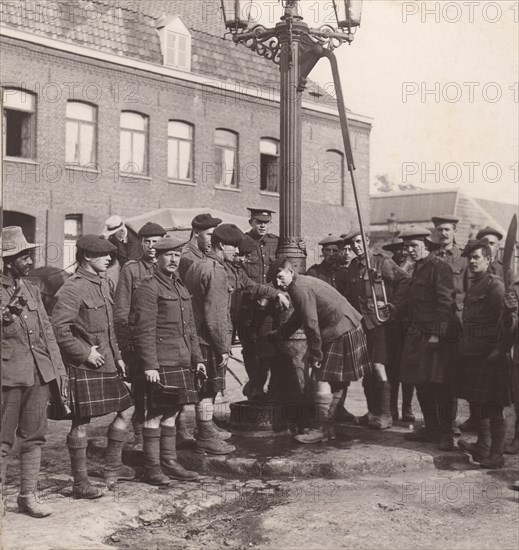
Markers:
<point>14,241</point>
<point>394,246</point>
<point>112,225</point>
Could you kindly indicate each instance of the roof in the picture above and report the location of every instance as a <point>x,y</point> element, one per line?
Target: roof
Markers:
<point>500,211</point>
<point>128,28</point>
<point>414,206</point>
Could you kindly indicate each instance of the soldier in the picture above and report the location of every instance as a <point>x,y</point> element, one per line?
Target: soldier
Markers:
<point>167,344</point>
<point>493,237</point>
<point>200,243</point>
<point>395,339</point>
<point>337,345</point>
<point>30,362</point>
<point>328,270</point>
<point>346,254</point>
<point>359,294</point>
<point>511,324</point>
<point>252,323</point>
<point>429,353</point>
<point>483,374</point>
<point>83,323</point>
<point>213,281</point>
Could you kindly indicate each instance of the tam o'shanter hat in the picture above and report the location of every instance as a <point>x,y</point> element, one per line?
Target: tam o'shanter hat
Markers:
<point>261,214</point>
<point>14,241</point>
<point>229,234</point>
<point>151,229</point>
<point>274,268</point>
<point>331,239</point>
<point>413,233</point>
<point>95,244</point>
<point>489,231</point>
<point>444,218</point>
<point>112,225</point>
<point>169,243</point>
<point>203,222</point>
<point>473,244</point>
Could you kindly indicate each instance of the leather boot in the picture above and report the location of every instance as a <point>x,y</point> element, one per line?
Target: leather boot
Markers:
<point>383,419</point>
<point>114,469</point>
<point>28,500</point>
<point>495,460</point>
<point>207,439</point>
<point>319,430</point>
<point>168,456</point>
<point>368,384</point>
<point>151,447</point>
<point>470,424</point>
<point>513,447</point>
<point>82,489</point>
<point>185,439</point>
<point>224,435</point>
<point>393,400</point>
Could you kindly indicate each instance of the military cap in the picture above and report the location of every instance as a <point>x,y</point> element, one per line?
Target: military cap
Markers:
<point>489,231</point>
<point>274,268</point>
<point>95,244</point>
<point>151,229</point>
<point>230,234</point>
<point>473,244</point>
<point>261,214</point>
<point>14,241</point>
<point>331,239</point>
<point>112,225</point>
<point>394,246</point>
<point>168,243</point>
<point>444,218</point>
<point>352,234</point>
<point>203,222</point>
<point>413,233</point>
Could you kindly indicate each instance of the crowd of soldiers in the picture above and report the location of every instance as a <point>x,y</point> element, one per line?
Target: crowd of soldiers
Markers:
<point>425,314</point>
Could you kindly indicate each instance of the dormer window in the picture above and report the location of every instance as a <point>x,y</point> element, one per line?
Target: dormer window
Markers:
<point>175,43</point>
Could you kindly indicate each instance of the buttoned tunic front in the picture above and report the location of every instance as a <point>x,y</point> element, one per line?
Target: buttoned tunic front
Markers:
<point>28,341</point>
<point>82,318</point>
<point>190,254</point>
<point>458,264</point>
<point>259,254</point>
<point>331,274</point>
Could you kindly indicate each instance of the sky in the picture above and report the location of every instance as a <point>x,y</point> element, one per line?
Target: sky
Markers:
<point>440,80</point>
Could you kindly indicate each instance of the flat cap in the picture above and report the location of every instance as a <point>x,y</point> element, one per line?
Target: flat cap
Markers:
<point>413,233</point>
<point>169,243</point>
<point>95,244</point>
<point>261,214</point>
<point>352,234</point>
<point>151,229</point>
<point>203,222</point>
<point>489,231</point>
<point>394,246</point>
<point>471,245</point>
<point>229,234</point>
<point>444,218</point>
<point>331,239</point>
<point>274,268</point>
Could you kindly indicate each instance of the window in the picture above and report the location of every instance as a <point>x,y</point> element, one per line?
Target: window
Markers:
<point>73,229</point>
<point>19,124</point>
<point>134,143</point>
<point>81,134</point>
<point>332,177</point>
<point>175,42</point>
<point>226,144</point>
<point>269,160</point>
<point>180,150</point>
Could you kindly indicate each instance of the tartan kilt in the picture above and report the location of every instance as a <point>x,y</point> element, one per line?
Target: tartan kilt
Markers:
<point>151,397</point>
<point>480,381</point>
<point>377,344</point>
<point>346,359</point>
<point>93,393</point>
<point>215,375</point>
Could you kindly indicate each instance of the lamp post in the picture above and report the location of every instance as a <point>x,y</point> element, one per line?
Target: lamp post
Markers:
<point>296,48</point>
<point>392,226</point>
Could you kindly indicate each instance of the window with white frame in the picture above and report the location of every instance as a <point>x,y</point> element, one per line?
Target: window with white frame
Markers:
<point>175,42</point>
<point>226,149</point>
<point>81,133</point>
<point>19,108</point>
<point>269,161</point>
<point>133,157</point>
<point>73,229</point>
<point>180,150</point>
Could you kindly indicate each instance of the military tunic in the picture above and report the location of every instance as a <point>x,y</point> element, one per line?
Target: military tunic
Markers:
<point>458,264</point>
<point>259,254</point>
<point>331,274</point>
<point>190,254</point>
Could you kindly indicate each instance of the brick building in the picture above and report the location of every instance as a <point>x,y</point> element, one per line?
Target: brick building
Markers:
<point>126,107</point>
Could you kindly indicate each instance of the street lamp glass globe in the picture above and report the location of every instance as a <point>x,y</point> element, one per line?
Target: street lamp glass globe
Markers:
<point>236,13</point>
<point>348,13</point>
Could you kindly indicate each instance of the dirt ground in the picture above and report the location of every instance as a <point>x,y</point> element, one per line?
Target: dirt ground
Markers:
<point>442,505</point>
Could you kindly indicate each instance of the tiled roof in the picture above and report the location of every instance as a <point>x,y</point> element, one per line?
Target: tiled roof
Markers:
<point>129,30</point>
<point>501,212</point>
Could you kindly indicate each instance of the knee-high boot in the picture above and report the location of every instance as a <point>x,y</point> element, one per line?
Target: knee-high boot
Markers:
<point>82,487</point>
<point>498,433</point>
<point>151,447</point>
<point>168,456</point>
<point>114,469</point>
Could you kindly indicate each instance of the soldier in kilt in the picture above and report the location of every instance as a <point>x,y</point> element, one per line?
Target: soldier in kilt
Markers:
<point>169,354</point>
<point>83,323</point>
<point>213,282</point>
<point>483,374</point>
<point>429,353</point>
<point>132,274</point>
<point>337,347</point>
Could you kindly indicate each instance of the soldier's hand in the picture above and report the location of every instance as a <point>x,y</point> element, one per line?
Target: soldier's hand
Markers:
<point>510,301</point>
<point>433,342</point>
<point>63,387</point>
<point>95,358</point>
<point>152,376</point>
<point>224,360</point>
<point>121,367</point>
<point>283,301</point>
<point>201,368</point>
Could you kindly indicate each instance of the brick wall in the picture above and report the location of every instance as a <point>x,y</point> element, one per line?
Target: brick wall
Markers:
<point>48,190</point>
